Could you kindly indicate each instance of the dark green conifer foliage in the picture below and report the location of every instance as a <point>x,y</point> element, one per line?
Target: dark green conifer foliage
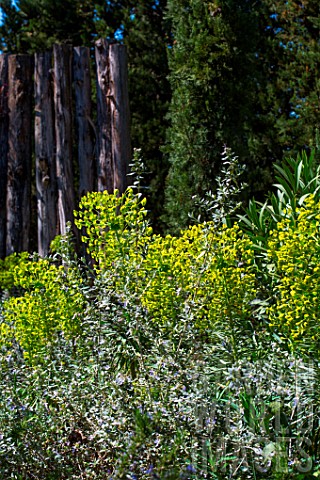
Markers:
<point>292,66</point>
<point>146,35</point>
<point>34,25</point>
<point>10,30</point>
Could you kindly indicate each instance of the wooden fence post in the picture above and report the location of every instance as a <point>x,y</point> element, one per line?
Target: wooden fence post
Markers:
<point>3,150</point>
<point>120,115</point>
<point>20,69</point>
<point>104,154</point>
<point>45,152</point>
<point>63,128</point>
<point>85,127</point>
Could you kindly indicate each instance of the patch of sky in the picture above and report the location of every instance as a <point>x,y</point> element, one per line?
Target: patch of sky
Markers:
<point>275,30</point>
<point>294,114</point>
<point>96,18</point>
<point>132,14</point>
<point>118,34</point>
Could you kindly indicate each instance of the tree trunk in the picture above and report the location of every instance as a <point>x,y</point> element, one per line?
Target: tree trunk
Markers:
<point>20,69</point>
<point>120,115</point>
<point>45,153</point>
<point>104,154</point>
<point>63,130</point>
<point>3,150</point>
<point>85,128</point>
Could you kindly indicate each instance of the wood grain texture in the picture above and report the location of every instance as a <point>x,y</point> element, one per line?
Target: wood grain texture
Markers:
<point>104,152</point>
<point>4,125</point>
<point>20,70</point>
<point>120,115</point>
<point>63,131</point>
<point>46,183</point>
<point>83,114</point>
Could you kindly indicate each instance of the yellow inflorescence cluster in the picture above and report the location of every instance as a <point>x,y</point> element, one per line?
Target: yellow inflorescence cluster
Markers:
<point>7,269</point>
<point>294,248</point>
<point>115,227</point>
<point>49,304</point>
<point>206,274</point>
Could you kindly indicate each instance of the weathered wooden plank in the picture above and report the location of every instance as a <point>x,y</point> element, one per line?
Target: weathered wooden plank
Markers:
<point>63,130</point>
<point>3,149</point>
<point>120,115</point>
<point>20,93</point>
<point>85,127</point>
<point>104,154</point>
<point>45,152</point>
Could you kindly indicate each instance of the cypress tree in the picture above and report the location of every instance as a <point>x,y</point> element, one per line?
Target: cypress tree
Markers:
<point>292,66</point>
<point>214,77</point>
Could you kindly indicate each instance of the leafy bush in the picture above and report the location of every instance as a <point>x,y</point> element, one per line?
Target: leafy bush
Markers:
<point>284,233</point>
<point>188,410</point>
<point>86,416</point>
<point>297,178</point>
<point>116,227</point>
<point>163,360</point>
<point>7,269</point>
<point>294,251</point>
<point>50,304</point>
<point>206,274</point>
